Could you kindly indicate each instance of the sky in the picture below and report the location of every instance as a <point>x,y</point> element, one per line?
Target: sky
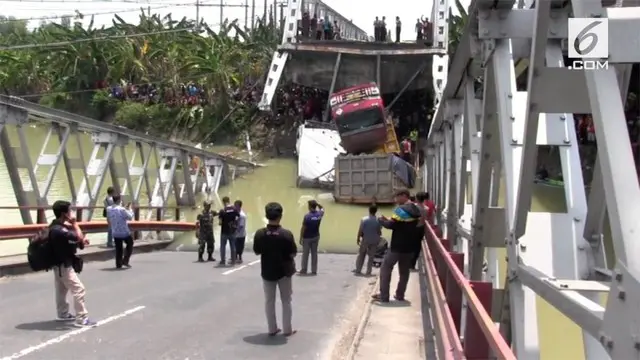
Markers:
<point>361,12</point>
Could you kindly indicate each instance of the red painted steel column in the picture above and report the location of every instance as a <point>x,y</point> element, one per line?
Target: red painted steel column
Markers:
<point>442,267</point>
<point>476,346</point>
<point>453,291</point>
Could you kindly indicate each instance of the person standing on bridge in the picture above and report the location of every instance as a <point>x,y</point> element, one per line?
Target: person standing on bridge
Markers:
<point>241,231</point>
<point>421,197</point>
<point>369,234</point>
<point>204,229</point>
<point>376,29</point>
<point>277,249</point>
<point>119,217</point>
<point>398,28</point>
<point>310,237</point>
<point>66,238</point>
<point>228,216</point>
<point>108,201</point>
<point>404,226</point>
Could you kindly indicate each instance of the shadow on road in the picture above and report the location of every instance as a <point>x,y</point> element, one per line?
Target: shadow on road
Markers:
<point>47,325</point>
<point>265,339</point>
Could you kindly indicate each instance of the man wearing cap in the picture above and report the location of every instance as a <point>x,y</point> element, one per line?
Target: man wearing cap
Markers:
<point>277,249</point>
<point>204,230</point>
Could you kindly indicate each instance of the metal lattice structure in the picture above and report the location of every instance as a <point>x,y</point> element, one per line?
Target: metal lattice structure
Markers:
<point>130,171</point>
<point>485,143</point>
<point>294,11</point>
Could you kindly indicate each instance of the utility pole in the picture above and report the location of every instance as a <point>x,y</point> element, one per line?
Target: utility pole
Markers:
<point>275,14</point>
<point>253,14</point>
<point>246,14</point>
<point>197,14</point>
<point>264,18</point>
<point>282,6</point>
<point>221,13</point>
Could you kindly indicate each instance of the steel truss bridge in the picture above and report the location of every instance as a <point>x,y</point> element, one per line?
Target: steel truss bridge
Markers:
<point>156,168</point>
<point>484,143</point>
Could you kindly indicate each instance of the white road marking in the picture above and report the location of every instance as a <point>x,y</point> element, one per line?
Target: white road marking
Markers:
<point>235,269</point>
<point>68,335</point>
<point>231,271</point>
<point>179,248</point>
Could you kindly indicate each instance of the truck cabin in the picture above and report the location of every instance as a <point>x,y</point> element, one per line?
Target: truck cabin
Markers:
<point>360,119</point>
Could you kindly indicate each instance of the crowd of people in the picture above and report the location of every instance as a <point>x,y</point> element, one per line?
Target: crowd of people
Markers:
<point>318,28</point>
<point>423,29</point>
<point>276,246</point>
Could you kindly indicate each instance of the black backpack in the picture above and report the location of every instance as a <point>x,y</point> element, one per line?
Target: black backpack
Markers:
<point>40,251</point>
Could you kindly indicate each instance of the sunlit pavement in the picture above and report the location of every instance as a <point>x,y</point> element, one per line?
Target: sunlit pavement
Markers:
<point>170,307</point>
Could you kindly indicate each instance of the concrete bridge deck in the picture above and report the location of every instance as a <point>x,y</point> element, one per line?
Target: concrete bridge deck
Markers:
<point>168,307</point>
<point>391,65</point>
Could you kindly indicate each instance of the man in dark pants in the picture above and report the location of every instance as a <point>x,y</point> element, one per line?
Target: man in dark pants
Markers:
<point>277,249</point>
<point>403,224</point>
<point>119,217</point>
<point>228,224</point>
<point>421,197</point>
<point>204,225</point>
<point>241,231</point>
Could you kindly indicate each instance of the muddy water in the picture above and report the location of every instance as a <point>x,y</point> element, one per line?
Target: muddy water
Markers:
<point>274,182</point>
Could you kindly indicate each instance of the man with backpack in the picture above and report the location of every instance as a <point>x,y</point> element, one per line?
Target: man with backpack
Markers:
<point>228,216</point>
<point>65,237</point>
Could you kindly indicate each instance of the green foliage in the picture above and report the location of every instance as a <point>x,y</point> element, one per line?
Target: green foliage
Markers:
<point>72,76</point>
<point>456,26</point>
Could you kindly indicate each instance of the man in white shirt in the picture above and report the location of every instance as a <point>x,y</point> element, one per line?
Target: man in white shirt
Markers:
<point>119,217</point>
<point>241,231</point>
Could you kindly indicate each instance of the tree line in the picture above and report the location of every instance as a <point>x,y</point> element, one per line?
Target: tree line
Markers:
<point>160,75</point>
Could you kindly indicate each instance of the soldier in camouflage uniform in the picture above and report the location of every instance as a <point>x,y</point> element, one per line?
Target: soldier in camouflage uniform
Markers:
<point>204,231</point>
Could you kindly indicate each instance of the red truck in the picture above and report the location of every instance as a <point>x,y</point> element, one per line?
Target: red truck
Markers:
<point>358,113</point>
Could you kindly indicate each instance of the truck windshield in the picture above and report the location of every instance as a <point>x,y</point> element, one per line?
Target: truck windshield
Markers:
<point>357,120</point>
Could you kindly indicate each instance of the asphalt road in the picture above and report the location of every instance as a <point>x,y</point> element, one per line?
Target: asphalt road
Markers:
<point>168,307</point>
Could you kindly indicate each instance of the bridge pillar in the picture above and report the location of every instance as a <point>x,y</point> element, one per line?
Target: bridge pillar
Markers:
<point>494,139</point>
<point>294,10</point>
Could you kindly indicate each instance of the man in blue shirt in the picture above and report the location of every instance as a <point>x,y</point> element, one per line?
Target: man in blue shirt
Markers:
<point>119,217</point>
<point>310,237</point>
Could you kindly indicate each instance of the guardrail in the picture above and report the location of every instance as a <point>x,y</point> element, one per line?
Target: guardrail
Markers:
<point>160,218</point>
<point>448,286</point>
<point>26,231</point>
<point>160,211</point>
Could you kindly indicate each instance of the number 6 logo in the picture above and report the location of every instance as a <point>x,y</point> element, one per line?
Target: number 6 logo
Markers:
<point>585,35</point>
<point>588,38</point>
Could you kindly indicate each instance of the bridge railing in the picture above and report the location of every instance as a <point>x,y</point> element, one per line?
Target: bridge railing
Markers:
<point>447,288</point>
<point>159,214</point>
<point>92,227</point>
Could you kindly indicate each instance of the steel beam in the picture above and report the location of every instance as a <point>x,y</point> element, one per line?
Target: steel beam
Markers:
<point>555,256</point>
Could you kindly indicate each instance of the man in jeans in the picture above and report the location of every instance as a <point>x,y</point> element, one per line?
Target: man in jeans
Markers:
<point>369,235</point>
<point>228,224</point>
<point>404,226</point>
<point>277,249</point>
<point>310,237</point>
<point>66,237</point>
<point>119,217</point>
<point>108,201</point>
